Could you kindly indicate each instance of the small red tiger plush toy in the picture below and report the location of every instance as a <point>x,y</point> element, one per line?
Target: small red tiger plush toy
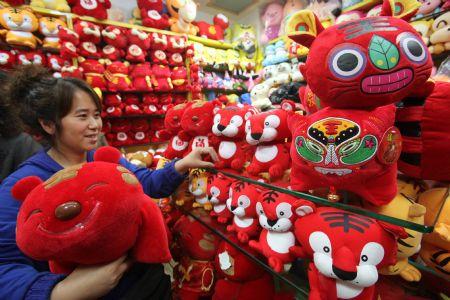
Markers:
<point>242,203</point>
<point>228,136</point>
<point>277,214</point>
<point>219,191</point>
<point>176,147</point>
<point>346,250</point>
<point>269,132</point>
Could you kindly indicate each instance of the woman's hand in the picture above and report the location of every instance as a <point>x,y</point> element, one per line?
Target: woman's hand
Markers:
<point>195,160</point>
<point>91,282</point>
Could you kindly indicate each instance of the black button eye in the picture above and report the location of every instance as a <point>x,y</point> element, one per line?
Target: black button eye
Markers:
<point>326,249</point>
<point>413,47</point>
<point>364,258</point>
<point>347,62</point>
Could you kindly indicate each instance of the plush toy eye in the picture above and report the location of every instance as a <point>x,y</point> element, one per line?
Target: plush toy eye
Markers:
<point>320,242</point>
<point>284,210</point>
<point>236,121</point>
<point>217,119</point>
<point>347,62</point>
<point>259,209</point>
<point>248,127</point>
<point>272,121</point>
<point>214,191</point>
<point>195,119</point>
<point>371,254</point>
<point>243,201</point>
<point>413,47</point>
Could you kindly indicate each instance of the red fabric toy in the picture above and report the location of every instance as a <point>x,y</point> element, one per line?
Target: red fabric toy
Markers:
<point>136,54</point>
<point>172,123</point>
<point>31,58</point>
<point>113,105</point>
<point>56,62</point>
<point>346,250</point>
<point>72,71</point>
<point>102,196</point>
<point>68,50</point>
<point>151,4</point>
<point>115,36</point>
<point>196,123</point>
<point>120,133</point>
<point>269,131</point>
<point>194,276</point>
<point>364,63</point>
<point>88,31</point>
<point>158,57</point>
<point>215,31</point>
<point>179,79</point>
<point>112,53</point>
<point>218,191</point>
<point>423,123</point>
<point>93,8</point>
<point>139,37</point>
<point>93,73</point>
<point>117,77</point>
<point>153,19</point>
<point>66,34</point>
<point>158,41</point>
<point>354,150</point>
<point>242,279</point>
<point>132,105</point>
<point>161,78</point>
<point>242,203</point>
<point>140,129</point>
<point>89,50</point>
<point>228,137</point>
<point>176,44</point>
<point>176,59</point>
<point>7,59</point>
<point>141,75</point>
<point>277,214</point>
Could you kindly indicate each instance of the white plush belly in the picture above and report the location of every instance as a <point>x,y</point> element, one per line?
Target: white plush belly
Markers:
<point>202,200</point>
<point>280,241</point>
<point>200,141</point>
<point>178,144</point>
<point>346,290</point>
<point>266,153</point>
<point>227,149</point>
<point>219,208</point>
<point>243,222</point>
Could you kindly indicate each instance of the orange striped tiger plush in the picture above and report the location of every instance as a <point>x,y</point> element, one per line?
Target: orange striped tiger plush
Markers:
<point>19,24</point>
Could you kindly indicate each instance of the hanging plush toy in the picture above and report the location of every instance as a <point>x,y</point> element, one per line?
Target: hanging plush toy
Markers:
<point>68,218</point>
<point>346,250</point>
<point>277,213</point>
<point>218,192</point>
<point>183,13</point>
<point>214,31</point>
<point>93,8</point>
<point>19,32</point>
<point>50,27</point>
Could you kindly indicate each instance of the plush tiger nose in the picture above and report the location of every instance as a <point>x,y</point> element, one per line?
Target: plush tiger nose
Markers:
<point>272,222</point>
<point>68,210</point>
<point>256,136</point>
<point>233,207</point>
<point>221,127</point>
<point>344,265</point>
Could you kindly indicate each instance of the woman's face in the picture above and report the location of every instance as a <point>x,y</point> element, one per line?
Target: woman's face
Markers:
<point>81,127</point>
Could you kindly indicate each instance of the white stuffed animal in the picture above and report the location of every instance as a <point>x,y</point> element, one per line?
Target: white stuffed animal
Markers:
<point>283,75</point>
<point>296,75</point>
<point>260,96</point>
<point>440,38</point>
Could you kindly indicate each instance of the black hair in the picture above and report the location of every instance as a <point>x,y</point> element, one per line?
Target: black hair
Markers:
<point>40,96</point>
<point>10,123</point>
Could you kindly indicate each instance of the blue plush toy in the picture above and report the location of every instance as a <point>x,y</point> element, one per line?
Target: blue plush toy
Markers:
<point>281,54</point>
<point>269,55</point>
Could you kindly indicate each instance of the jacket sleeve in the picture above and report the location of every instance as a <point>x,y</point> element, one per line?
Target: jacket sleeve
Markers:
<point>156,183</point>
<point>19,275</point>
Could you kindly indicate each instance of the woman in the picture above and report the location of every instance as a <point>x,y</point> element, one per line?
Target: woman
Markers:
<point>66,112</point>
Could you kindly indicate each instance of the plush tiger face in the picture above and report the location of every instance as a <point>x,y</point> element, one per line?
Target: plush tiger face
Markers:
<point>18,19</point>
<point>49,26</point>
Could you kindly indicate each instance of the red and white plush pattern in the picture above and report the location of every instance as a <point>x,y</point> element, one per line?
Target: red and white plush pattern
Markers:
<point>179,79</point>
<point>158,41</point>
<point>117,77</point>
<point>214,31</point>
<point>93,8</point>
<point>153,19</point>
<point>139,37</point>
<point>176,59</point>
<point>135,54</point>
<point>56,62</point>
<point>31,58</point>
<point>141,76</point>
<point>112,53</point>
<point>140,131</point>
<point>161,78</point>
<point>89,50</point>
<point>218,191</point>
<point>158,57</point>
<point>115,36</point>
<point>93,73</point>
<point>177,44</point>
<point>113,105</point>
<point>88,31</point>
<point>72,71</point>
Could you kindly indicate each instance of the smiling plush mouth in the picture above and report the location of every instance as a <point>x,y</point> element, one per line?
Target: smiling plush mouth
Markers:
<point>175,9</point>
<point>328,171</point>
<point>387,83</point>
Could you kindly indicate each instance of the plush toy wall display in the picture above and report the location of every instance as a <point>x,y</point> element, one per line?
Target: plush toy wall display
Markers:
<point>242,278</point>
<point>7,59</point>
<point>115,36</point>
<point>158,57</point>
<point>346,250</point>
<point>56,62</point>
<point>141,76</point>
<point>176,44</point>
<point>277,213</point>
<point>218,191</point>
<point>215,31</point>
<point>68,40</point>
<point>439,39</point>
<point>59,5</point>
<point>404,206</point>
<point>194,276</point>
<point>19,32</point>
<point>71,71</point>
<point>423,124</point>
<point>117,78</point>
<point>113,105</point>
<point>103,197</point>
<point>161,78</point>
<point>242,203</point>
<point>357,53</point>
<point>139,38</point>
<point>93,8</point>
<point>93,72</point>
<point>158,41</point>
<point>88,31</point>
<point>269,133</point>
<point>49,27</point>
<point>182,14</point>
<point>179,79</point>
<point>354,150</point>
<point>31,58</point>
<point>176,59</point>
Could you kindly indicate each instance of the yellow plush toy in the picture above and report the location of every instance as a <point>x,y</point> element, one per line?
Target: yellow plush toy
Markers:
<point>60,5</point>
<point>19,24</point>
<point>404,207</point>
<point>49,27</point>
<point>435,250</point>
<point>440,38</point>
<point>198,183</point>
<point>423,27</point>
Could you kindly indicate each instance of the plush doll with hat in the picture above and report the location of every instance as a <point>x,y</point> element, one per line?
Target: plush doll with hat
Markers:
<point>19,25</point>
<point>93,72</point>
<point>218,191</point>
<point>93,8</point>
<point>89,214</point>
<point>346,252</point>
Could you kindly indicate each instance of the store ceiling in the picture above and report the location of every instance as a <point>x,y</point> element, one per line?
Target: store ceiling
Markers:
<point>233,6</point>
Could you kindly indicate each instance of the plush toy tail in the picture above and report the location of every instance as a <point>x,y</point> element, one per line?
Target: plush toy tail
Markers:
<point>152,244</point>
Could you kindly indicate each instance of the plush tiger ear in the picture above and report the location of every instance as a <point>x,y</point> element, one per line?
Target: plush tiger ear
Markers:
<point>402,9</point>
<point>303,27</point>
<point>24,186</point>
<point>397,231</point>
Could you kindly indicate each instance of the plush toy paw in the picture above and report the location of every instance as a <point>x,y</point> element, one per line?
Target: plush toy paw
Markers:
<point>237,164</point>
<point>222,220</point>
<point>179,202</point>
<point>230,228</point>
<point>242,237</point>
<point>443,230</point>
<point>276,264</point>
<point>410,273</point>
<point>253,169</point>
<point>219,164</point>
<point>296,251</point>
<point>276,171</point>
<point>207,206</point>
